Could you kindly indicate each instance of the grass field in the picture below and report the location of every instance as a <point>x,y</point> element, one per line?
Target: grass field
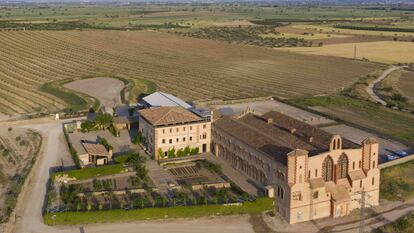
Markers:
<point>385,121</point>
<point>405,85</point>
<point>187,67</point>
<point>402,225</point>
<point>73,218</point>
<point>385,51</point>
<point>397,182</point>
<point>397,88</point>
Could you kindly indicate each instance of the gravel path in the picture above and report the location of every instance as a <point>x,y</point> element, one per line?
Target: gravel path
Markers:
<point>371,86</point>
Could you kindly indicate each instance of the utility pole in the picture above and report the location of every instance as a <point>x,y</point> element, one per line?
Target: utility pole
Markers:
<point>362,202</point>
<point>362,213</point>
<point>355,52</point>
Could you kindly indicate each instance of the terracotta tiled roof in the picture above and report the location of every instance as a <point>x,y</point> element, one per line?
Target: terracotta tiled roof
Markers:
<point>168,116</point>
<point>317,183</point>
<point>339,192</point>
<point>279,136</point>
<point>95,149</point>
<point>356,175</point>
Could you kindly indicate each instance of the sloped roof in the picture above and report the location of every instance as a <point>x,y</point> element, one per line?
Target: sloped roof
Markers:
<point>95,149</point>
<point>162,99</point>
<point>168,116</point>
<point>356,175</point>
<point>278,138</point>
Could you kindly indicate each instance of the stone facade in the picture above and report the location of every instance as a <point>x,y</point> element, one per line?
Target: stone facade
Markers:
<point>192,133</point>
<point>319,178</point>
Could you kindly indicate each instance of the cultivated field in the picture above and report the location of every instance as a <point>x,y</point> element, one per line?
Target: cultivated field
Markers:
<point>384,51</point>
<point>190,68</point>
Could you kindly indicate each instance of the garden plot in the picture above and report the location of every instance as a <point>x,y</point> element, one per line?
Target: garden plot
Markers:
<point>196,175</point>
<point>18,151</point>
<point>201,183</point>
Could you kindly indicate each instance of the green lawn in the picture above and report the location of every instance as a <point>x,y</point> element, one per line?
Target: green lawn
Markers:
<point>71,99</point>
<point>72,218</point>
<point>75,101</point>
<point>87,173</point>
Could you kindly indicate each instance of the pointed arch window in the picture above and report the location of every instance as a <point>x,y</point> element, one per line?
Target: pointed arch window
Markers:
<point>343,166</point>
<point>327,168</point>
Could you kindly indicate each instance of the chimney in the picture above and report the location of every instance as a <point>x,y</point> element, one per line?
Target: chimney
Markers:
<point>310,139</point>
<point>292,131</point>
<point>270,120</point>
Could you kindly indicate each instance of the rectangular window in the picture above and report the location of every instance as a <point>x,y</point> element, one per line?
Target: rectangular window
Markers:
<point>163,131</point>
<point>177,140</point>
<point>191,138</point>
<point>204,126</point>
<point>163,141</point>
<point>315,195</point>
<point>183,139</point>
<point>191,127</point>
<point>170,141</point>
<point>183,128</point>
<point>170,130</point>
<point>178,129</point>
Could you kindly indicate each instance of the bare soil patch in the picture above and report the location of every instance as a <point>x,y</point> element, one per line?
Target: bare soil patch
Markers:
<point>106,90</point>
<point>17,149</point>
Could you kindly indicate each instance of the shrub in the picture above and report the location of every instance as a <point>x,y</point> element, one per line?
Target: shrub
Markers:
<point>194,151</point>
<point>171,153</point>
<point>105,143</point>
<point>138,138</point>
<point>87,126</point>
<point>180,153</point>
<point>160,153</point>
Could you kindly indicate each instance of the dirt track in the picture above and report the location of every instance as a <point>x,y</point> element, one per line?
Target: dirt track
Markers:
<point>371,86</point>
<point>29,209</point>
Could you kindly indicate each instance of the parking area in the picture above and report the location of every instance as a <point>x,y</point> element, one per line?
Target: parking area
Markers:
<point>387,146</point>
<point>261,107</point>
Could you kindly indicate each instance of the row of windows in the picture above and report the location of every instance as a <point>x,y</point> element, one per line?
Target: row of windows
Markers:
<point>177,129</point>
<point>170,141</point>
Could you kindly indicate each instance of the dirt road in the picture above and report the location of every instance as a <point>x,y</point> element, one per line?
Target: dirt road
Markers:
<point>29,209</point>
<point>370,88</point>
